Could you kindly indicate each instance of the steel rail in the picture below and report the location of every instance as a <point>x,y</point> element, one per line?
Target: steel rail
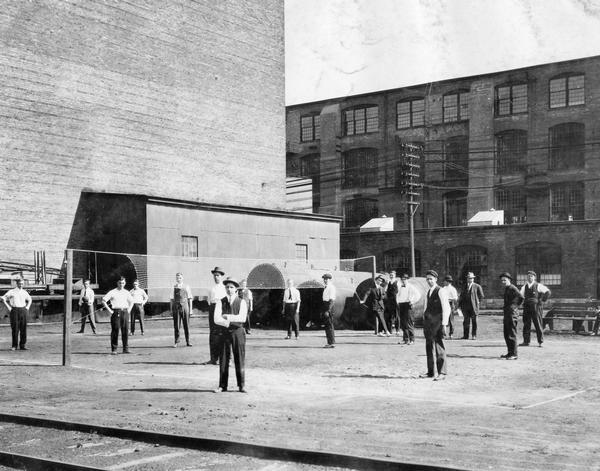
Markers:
<point>255,450</point>
<point>35,463</point>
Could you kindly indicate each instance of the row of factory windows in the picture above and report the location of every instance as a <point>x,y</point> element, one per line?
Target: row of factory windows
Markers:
<point>511,99</point>
<point>545,258</point>
<point>566,202</point>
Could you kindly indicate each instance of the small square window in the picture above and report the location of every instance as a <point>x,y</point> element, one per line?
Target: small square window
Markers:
<point>302,252</point>
<point>189,246</point>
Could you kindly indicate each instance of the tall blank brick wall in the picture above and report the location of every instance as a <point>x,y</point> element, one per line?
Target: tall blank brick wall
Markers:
<point>177,99</point>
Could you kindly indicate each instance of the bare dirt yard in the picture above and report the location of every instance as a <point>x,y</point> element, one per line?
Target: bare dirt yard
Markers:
<point>362,398</point>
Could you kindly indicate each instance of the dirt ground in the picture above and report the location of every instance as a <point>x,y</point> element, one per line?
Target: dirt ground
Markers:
<point>362,398</point>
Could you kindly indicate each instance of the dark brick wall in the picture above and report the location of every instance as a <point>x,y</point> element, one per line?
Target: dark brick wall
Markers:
<point>174,99</point>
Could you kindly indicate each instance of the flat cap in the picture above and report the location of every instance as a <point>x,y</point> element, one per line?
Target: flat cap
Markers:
<point>432,273</point>
<point>506,275</point>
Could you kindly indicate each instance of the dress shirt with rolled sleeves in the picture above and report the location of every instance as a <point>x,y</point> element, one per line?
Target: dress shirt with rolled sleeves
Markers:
<point>291,295</point>
<point>407,294</point>
<point>239,317</point>
<point>329,293</point>
<point>443,294</point>
<point>186,288</point>
<point>217,293</point>
<point>452,293</point>
<point>246,295</point>
<point>139,296</point>
<point>119,299</point>
<point>87,293</point>
<point>542,289</point>
<point>17,297</point>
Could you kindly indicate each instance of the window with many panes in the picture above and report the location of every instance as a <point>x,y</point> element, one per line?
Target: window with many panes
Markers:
<point>398,259</point>
<point>566,202</point>
<point>455,209</point>
<point>511,151</point>
<point>301,252</point>
<point>456,161</point>
<point>359,168</point>
<point>189,246</point>
<point>310,168</point>
<point>567,146</point>
<point>455,107</point>
<point>544,258</point>
<point>567,91</point>
<point>310,127</point>
<point>358,211</point>
<point>464,259</point>
<point>511,99</point>
<point>360,120</point>
<point>514,205</point>
<point>410,113</point>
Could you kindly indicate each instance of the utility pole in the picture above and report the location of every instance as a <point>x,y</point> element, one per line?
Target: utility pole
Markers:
<point>410,171</point>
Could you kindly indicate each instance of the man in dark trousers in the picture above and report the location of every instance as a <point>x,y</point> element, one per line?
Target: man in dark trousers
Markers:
<point>391,306</point>
<point>534,295</point>
<point>435,321</point>
<point>230,314</point>
<point>469,301</point>
<point>291,309</point>
<point>217,292</point>
<point>121,303</point>
<point>406,298</point>
<point>181,308</point>
<point>512,301</point>
<point>327,310</point>
<point>18,301</point>
<point>375,302</point>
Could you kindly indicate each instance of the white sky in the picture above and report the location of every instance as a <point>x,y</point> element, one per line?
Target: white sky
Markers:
<point>345,47</point>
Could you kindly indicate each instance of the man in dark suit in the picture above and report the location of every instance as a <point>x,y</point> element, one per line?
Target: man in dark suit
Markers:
<point>469,302</point>
<point>391,306</point>
<point>512,300</point>
<point>375,301</point>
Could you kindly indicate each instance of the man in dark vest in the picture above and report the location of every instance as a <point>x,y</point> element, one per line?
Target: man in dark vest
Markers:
<point>468,302</point>
<point>217,292</point>
<point>391,306</point>
<point>512,301</point>
<point>374,300</point>
<point>534,295</point>
<point>230,315</point>
<point>435,320</point>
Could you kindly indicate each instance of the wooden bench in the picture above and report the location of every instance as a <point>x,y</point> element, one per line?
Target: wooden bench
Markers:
<point>582,315</point>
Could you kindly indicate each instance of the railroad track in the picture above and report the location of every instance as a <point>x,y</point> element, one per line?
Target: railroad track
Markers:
<point>65,445</point>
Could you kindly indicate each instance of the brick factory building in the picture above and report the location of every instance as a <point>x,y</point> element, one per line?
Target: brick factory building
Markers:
<point>524,141</point>
<point>181,101</point>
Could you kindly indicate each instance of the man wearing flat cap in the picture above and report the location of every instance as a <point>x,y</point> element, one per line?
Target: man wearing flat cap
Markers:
<point>534,295</point>
<point>468,302</point>
<point>435,320</point>
<point>512,301</point>
<point>453,300</point>
<point>374,300</point>
<point>327,310</point>
<point>230,315</point>
<point>406,298</point>
<point>181,308</point>
<point>217,293</point>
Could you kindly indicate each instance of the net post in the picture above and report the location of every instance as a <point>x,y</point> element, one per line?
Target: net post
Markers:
<point>66,359</point>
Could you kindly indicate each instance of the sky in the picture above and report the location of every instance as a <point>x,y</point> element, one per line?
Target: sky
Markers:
<point>345,47</point>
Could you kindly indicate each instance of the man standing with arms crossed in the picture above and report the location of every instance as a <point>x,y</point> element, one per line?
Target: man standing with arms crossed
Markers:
<point>291,309</point>
<point>534,295</point>
<point>140,298</point>
<point>435,321</point>
<point>469,301</point>
<point>512,301</point>
<point>18,302</point>
<point>86,307</point>
<point>406,298</point>
<point>121,303</point>
<point>217,293</point>
<point>327,310</point>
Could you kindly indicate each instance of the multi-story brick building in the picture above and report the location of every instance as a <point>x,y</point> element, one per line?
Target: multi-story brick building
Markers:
<point>525,141</point>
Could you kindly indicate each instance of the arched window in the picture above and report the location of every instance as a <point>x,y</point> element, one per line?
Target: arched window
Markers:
<point>398,259</point>
<point>465,258</point>
<point>359,168</point>
<point>455,209</point>
<point>567,146</point>
<point>511,151</point>
<point>545,258</point>
<point>359,210</point>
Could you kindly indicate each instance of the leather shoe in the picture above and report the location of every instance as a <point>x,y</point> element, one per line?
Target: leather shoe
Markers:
<point>329,345</point>
<point>13,348</point>
<point>439,378</point>
<point>220,389</point>
<point>208,362</point>
<point>23,348</point>
<point>524,344</point>
<point>426,375</point>
<point>512,357</point>
<point>126,351</point>
<point>287,337</point>
<point>540,345</point>
<point>243,390</point>
<point>189,344</point>
<point>506,355</point>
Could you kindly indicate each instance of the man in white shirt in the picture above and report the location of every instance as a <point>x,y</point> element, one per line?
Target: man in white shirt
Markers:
<point>140,298</point>
<point>18,302</point>
<point>435,320</point>
<point>406,298</point>
<point>291,309</point>
<point>121,303</point>
<point>246,295</point>
<point>217,293</point>
<point>181,308</point>
<point>327,310</point>
<point>534,296</point>
<point>453,299</point>
<point>230,314</point>
<point>86,307</point>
